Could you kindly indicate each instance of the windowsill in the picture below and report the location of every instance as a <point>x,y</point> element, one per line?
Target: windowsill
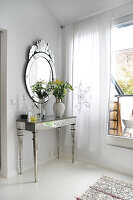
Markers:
<point>119,141</point>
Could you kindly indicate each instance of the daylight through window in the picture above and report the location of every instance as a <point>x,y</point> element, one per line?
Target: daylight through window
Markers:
<point>121,92</point>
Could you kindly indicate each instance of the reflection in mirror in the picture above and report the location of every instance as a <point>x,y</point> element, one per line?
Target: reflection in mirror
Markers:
<point>40,67</point>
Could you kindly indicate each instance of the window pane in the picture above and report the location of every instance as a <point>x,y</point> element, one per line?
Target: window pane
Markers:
<point>121,99</point>
<point>122,57</point>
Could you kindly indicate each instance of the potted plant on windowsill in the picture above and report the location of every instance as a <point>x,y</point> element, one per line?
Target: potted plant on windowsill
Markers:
<point>59,89</point>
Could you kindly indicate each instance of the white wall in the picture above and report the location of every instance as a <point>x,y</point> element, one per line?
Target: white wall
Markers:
<point>26,21</point>
<point>108,156</point>
<point>3,101</point>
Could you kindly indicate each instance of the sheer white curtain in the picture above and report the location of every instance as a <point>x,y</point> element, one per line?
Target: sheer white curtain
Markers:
<point>87,64</point>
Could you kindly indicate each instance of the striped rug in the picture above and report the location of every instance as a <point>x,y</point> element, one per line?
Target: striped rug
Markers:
<point>107,188</point>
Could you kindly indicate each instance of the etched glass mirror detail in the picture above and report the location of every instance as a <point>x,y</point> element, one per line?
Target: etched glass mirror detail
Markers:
<point>40,67</point>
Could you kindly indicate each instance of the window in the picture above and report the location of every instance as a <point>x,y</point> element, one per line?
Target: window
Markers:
<point>122,57</point>
<point>121,91</point>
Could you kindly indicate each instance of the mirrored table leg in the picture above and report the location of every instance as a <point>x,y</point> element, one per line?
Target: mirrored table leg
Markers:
<point>20,150</point>
<point>58,140</point>
<point>35,152</point>
<point>73,128</point>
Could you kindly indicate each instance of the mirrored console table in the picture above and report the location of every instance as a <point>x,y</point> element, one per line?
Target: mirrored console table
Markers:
<point>35,127</point>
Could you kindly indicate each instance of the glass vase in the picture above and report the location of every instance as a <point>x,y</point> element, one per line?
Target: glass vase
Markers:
<point>40,115</point>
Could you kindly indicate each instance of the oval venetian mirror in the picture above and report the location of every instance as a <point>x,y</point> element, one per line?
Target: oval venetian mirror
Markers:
<point>40,67</point>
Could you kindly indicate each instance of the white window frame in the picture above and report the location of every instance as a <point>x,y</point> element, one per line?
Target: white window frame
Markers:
<point>112,140</point>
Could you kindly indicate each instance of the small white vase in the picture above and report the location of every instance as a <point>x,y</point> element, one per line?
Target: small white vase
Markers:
<point>59,108</point>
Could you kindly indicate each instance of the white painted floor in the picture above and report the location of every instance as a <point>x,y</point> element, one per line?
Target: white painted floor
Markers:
<point>58,180</point>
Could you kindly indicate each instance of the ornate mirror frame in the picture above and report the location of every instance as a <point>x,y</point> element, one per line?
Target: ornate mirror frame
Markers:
<point>39,50</point>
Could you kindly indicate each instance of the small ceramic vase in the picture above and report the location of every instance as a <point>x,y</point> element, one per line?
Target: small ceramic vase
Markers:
<point>59,108</point>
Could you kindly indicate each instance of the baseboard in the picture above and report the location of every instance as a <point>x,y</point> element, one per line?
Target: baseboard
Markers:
<point>99,163</point>
<point>12,173</point>
<point>113,168</point>
<point>29,167</point>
